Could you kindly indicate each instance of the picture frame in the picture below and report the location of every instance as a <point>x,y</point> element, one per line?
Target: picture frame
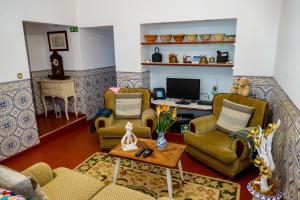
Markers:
<point>196,59</point>
<point>58,41</point>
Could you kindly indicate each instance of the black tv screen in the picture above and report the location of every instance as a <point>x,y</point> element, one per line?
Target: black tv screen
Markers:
<point>183,88</point>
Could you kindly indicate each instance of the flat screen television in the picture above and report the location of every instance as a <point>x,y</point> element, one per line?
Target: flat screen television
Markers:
<point>183,88</point>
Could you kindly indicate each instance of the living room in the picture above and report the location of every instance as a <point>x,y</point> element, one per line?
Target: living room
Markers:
<point>106,52</point>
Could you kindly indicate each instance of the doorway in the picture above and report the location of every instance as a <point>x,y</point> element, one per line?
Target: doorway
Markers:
<point>90,50</point>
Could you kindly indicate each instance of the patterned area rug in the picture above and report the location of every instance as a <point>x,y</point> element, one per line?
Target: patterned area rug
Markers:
<point>151,179</point>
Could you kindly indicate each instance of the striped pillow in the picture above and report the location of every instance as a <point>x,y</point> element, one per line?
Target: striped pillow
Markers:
<point>128,105</point>
<point>233,117</point>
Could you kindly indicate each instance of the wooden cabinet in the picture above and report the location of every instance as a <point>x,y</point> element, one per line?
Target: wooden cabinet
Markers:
<point>58,88</point>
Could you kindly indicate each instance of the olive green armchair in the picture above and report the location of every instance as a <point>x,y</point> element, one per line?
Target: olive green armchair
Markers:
<point>215,148</point>
<point>111,130</point>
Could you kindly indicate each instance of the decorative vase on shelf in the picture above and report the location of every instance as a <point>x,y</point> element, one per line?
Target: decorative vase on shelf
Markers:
<point>161,142</point>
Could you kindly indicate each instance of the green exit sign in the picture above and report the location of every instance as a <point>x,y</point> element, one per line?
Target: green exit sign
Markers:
<point>74,29</point>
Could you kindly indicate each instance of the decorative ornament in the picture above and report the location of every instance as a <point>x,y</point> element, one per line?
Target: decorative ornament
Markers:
<point>263,185</point>
<point>129,140</point>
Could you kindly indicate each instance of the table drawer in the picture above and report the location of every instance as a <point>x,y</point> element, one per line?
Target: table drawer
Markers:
<point>52,92</point>
<point>46,85</point>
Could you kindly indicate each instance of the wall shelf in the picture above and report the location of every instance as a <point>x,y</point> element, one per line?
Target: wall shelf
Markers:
<point>187,64</point>
<point>197,42</point>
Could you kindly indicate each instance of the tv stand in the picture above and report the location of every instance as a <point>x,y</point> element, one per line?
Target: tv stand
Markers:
<point>172,103</point>
<point>183,102</point>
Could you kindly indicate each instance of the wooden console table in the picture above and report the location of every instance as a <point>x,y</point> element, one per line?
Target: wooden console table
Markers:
<point>171,102</point>
<point>58,88</point>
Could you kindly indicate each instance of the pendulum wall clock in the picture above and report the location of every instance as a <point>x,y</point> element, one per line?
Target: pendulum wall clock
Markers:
<point>57,66</point>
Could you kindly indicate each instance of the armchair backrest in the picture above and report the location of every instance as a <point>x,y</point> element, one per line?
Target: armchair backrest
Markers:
<point>260,114</point>
<point>110,100</point>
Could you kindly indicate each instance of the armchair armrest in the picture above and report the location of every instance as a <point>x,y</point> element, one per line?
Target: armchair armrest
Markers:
<point>203,125</point>
<point>104,121</point>
<point>149,119</point>
<point>241,148</point>
<point>40,172</point>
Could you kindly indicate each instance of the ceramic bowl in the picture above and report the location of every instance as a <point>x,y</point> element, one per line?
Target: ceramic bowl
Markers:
<point>178,37</point>
<point>230,37</point>
<point>165,37</point>
<point>205,37</point>
<point>219,36</point>
<point>150,37</point>
<point>191,37</point>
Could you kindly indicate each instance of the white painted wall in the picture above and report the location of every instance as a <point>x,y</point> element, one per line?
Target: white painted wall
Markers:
<point>13,52</point>
<point>208,77</point>
<point>287,69</point>
<point>89,48</point>
<point>97,47</point>
<point>38,48</point>
<point>257,27</point>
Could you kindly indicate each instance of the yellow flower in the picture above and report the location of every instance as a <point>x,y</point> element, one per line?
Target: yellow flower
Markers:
<point>174,114</point>
<point>158,110</point>
<point>167,108</point>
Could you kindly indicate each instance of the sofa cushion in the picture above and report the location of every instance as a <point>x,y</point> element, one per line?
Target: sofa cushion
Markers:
<point>117,129</point>
<point>215,143</point>
<point>69,184</point>
<point>233,117</point>
<point>121,193</point>
<point>128,105</point>
<point>41,172</point>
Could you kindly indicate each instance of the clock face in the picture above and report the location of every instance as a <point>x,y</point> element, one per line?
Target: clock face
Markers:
<point>55,62</point>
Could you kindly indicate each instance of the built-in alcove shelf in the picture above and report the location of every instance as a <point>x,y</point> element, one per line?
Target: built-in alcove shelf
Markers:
<point>197,42</point>
<point>210,74</point>
<point>187,64</point>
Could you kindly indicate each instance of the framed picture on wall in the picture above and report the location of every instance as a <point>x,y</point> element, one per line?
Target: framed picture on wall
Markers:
<point>58,41</point>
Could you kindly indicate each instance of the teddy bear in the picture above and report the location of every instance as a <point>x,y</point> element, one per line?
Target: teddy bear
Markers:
<point>240,87</point>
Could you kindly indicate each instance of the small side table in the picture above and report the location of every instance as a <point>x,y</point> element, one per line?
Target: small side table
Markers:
<point>59,88</point>
<point>169,158</point>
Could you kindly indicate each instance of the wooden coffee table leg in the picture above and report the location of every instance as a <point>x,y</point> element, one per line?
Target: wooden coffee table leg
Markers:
<point>169,182</point>
<point>118,163</point>
<point>180,171</point>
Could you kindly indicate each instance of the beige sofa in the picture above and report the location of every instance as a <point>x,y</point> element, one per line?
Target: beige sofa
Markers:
<point>64,184</point>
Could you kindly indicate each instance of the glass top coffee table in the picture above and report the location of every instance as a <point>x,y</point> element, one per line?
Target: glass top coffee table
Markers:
<point>169,158</point>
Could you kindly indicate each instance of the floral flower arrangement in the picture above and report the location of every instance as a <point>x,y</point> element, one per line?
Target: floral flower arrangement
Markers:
<point>165,118</point>
<point>264,161</point>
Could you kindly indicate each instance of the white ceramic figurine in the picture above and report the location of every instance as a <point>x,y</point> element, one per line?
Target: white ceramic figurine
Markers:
<point>129,140</point>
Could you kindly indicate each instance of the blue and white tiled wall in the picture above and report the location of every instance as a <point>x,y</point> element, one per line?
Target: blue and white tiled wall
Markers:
<point>18,129</point>
<point>286,142</point>
<point>133,79</point>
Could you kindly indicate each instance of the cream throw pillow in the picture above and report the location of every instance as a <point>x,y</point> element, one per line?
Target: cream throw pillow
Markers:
<point>128,105</point>
<point>233,117</point>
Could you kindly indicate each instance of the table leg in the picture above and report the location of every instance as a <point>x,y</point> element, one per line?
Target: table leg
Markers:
<point>180,171</point>
<point>169,182</point>
<point>44,104</point>
<point>75,104</point>
<point>54,105</point>
<point>118,163</point>
<point>66,107</point>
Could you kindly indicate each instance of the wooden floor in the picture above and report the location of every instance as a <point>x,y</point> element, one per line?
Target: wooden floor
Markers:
<point>74,146</point>
<point>49,124</point>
